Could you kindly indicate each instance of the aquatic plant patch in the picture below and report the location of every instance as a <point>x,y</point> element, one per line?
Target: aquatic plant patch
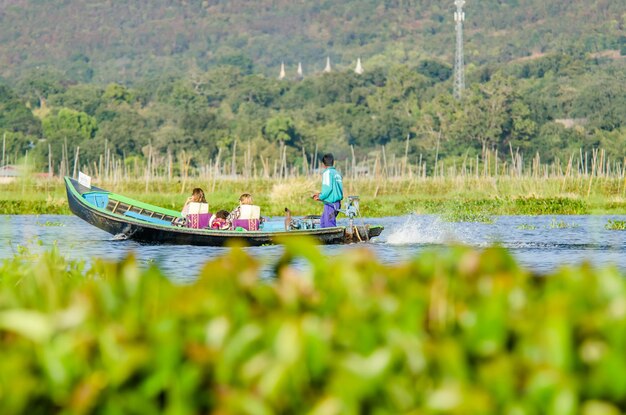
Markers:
<point>526,227</point>
<point>33,207</point>
<point>480,211</point>
<point>616,225</point>
<point>561,224</point>
<point>49,223</point>
<point>549,206</point>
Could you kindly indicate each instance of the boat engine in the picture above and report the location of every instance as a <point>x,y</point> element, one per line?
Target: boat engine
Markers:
<point>352,211</point>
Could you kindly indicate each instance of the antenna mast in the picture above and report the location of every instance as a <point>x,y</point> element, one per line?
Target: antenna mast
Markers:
<point>459,69</point>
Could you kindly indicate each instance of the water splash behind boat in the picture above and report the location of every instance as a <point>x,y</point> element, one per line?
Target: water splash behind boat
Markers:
<point>420,230</point>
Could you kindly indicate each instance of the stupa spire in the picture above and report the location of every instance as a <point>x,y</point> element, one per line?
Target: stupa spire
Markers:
<point>300,73</point>
<point>327,68</point>
<point>282,71</point>
<point>359,67</point>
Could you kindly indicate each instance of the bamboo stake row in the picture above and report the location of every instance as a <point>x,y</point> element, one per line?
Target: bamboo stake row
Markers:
<point>377,166</point>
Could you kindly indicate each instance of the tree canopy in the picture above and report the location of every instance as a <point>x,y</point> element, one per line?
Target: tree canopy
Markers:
<point>553,106</point>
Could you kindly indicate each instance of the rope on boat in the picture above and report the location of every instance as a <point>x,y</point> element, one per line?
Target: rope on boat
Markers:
<point>356,228</point>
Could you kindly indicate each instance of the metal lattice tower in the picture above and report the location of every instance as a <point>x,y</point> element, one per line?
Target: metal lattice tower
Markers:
<point>459,68</point>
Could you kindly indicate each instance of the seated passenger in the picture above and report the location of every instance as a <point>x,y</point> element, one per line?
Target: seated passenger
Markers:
<point>197,196</point>
<point>196,210</point>
<point>219,221</point>
<point>244,199</point>
<point>246,215</point>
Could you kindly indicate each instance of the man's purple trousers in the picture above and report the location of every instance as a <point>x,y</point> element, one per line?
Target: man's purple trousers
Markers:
<point>329,214</point>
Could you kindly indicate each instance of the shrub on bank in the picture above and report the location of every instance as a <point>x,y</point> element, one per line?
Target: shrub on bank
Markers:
<point>452,331</point>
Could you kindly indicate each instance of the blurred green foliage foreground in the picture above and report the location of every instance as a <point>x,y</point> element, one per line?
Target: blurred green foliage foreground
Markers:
<point>453,331</point>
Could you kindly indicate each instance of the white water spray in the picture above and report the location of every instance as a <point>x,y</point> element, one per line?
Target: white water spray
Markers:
<point>421,230</point>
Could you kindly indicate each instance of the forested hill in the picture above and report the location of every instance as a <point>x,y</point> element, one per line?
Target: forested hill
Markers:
<point>127,41</point>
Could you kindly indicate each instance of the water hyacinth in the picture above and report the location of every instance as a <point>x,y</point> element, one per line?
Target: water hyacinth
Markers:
<point>452,331</point>
<point>616,225</point>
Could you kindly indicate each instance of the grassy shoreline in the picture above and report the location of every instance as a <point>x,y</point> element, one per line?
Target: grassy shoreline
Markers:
<point>454,198</point>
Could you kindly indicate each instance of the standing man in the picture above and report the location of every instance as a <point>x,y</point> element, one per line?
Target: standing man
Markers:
<point>331,194</point>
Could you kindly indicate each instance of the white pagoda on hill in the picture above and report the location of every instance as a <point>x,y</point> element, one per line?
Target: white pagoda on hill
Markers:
<point>359,68</point>
<point>300,72</point>
<point>282,71</point>
<point>327,68</point>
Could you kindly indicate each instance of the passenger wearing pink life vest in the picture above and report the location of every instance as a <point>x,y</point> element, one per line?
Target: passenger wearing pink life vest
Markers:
<point>219,221</point>
<point>246,216</point>
<point>197,196</point>
<point>331,194</point>
<point>244,199</point>
<point>196,210</point>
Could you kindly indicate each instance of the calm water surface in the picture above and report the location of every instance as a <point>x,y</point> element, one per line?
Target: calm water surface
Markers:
<point>541,243</point>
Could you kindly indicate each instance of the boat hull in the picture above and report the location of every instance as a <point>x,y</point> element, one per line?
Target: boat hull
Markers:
<point>128,228</point>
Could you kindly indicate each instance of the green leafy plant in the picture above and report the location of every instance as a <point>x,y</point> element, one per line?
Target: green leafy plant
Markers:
<point>49,223</point>
<point>616,225</point>
<point>561,224</point>
<point>469,211</point>
<point>451,331</point>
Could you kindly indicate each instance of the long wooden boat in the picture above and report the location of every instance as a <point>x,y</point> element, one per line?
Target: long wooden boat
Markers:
<point>131,219</point>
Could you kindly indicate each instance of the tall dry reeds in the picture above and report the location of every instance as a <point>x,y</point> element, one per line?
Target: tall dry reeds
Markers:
<point>581,173</point>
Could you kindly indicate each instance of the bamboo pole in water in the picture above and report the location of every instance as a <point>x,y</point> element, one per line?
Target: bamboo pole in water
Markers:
<point>624,177</point>
<point>376,176</point>
<point>64,157</point>
<point>283,163</point>
<point>405,160</point>
<point>169,164</point>
<point>216,168</point>
<point>76,155</point>
<point>419,166</point>
<point>148,170</point>
<point>593,170</point>
<point>248,161</point>
<point>496,158</point>
<point>185,161</point>
<point>266,166</point>
<point>353,162</point>
<point>106,159</point>
<point>233,162</point>
<point>50,167</point>
<point>437,152</point>
<point>4,146</point>
<point>305,163</point>
<point>384,172</point>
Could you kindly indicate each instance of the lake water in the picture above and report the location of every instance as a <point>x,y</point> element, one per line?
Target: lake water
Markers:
<point>541,243</point>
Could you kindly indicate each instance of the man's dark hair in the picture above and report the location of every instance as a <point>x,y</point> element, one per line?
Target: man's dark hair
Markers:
<point>328,159</point>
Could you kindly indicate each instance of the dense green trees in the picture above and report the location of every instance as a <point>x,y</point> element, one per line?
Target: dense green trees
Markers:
<point>15,116</point>
<point>554,105</point>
